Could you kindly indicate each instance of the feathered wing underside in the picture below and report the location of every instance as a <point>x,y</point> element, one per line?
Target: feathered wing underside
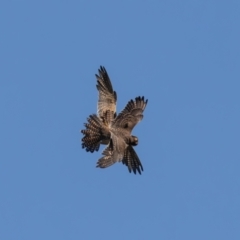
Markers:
<point>107,97</point>
<point>107,117</point>
<point>131,114</point>
<point>106,160</point>
<point>113,153</point>
<point>132,161</point>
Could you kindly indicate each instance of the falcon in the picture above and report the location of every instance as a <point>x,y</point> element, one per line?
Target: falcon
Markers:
<point>108,128</point>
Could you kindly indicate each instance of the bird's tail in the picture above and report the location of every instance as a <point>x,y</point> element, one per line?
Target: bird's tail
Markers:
<point>95,133</point>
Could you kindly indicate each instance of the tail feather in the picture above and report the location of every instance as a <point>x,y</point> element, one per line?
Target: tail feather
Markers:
<point>94,133</point>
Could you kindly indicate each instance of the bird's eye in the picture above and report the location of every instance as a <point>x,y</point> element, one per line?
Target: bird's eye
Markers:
<point>126,125</point>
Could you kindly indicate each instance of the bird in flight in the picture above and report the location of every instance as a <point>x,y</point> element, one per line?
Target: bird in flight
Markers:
<point>112,129</point>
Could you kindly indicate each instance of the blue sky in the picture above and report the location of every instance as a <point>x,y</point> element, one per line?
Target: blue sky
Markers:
<point>184,56</point>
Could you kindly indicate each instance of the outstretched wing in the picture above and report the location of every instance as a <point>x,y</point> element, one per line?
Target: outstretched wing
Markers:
<point>132,161</point>
<point>107,98</point>
<point>113,153</point>
<point>131,114</point>
<point>107,160</point>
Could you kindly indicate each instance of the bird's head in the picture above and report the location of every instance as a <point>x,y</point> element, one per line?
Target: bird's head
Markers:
<point>133,141</point>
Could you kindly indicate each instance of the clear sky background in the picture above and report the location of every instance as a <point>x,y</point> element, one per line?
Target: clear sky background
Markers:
<point>184,56</point>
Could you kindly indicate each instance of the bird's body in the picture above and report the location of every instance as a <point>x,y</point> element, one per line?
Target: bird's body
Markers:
<point>114,130</point>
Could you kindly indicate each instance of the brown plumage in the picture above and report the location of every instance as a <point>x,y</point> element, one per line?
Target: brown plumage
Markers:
<point>114,130</point>
<point>94,133</point>
<point>107,98</point>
